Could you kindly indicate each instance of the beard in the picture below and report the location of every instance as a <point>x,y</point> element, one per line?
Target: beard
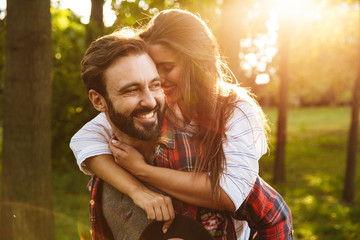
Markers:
<point>126,124</point>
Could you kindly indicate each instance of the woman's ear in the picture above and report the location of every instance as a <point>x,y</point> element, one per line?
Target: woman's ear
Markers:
<point>97,100</point>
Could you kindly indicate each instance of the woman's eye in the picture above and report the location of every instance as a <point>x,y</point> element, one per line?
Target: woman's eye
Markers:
<point>166,68</point>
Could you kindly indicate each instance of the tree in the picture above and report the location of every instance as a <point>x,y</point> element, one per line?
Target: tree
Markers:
<point>229,39</point>
<point>349,189</point>
<point>26,165</point>
<point>236,24</point>
<point>284,39</point>
<point>95,27</point>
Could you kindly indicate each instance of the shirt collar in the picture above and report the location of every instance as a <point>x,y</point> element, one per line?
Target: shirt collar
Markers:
<point>167,136</point>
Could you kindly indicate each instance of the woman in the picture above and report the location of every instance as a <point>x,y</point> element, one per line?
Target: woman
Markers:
<point>222,118</point>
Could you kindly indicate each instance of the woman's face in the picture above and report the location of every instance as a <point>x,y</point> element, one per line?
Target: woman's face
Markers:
<point>168,64</point>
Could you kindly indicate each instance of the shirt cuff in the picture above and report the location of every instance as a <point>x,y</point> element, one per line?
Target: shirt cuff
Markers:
<point>237,192</point>
<point>91,151</point>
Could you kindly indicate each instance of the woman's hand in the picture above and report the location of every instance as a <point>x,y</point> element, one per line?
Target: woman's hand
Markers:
<point>157,206</point>
<point>127,156</point>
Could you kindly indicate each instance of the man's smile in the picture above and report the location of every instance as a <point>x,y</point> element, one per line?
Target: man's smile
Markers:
<point>147,117</point>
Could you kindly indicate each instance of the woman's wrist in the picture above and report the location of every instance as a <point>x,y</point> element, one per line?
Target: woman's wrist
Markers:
<point>143,171</point>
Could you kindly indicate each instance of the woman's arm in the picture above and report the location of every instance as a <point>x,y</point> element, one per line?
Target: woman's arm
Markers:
<point>245,144</point>
<point>91,150</point>
<point>190,187</point>
<point>157,206</point>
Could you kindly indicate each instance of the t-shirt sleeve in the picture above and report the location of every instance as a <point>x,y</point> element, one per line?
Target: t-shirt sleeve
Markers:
<point>91,140</point>
<point>244,146</point>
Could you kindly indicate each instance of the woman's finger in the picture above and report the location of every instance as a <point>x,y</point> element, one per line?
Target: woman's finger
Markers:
<point>166,225</point>
<point>150,213</point>
<point>119,144</point>
<point>158,213</point>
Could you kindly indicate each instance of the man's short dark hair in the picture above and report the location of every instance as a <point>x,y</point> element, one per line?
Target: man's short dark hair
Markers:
<point>102,53</point>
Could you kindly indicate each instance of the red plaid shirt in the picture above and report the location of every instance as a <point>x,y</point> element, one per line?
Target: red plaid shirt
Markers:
<point>175,150</point>
<point>266,213</point>
<point>264,209</point>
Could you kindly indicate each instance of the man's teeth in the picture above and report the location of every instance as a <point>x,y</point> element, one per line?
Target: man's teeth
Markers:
<point>148,115</point>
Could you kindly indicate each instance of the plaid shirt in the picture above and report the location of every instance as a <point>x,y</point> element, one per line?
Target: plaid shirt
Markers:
<point>264,209</point>
<point>175,150</point>
<point>98,226</point>
<point>266,213</point>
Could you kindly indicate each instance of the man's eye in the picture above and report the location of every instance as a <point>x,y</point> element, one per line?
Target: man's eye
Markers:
<point>156,85</point>
<point>132,90</point>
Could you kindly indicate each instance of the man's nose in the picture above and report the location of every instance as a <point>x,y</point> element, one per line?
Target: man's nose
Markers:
<point>148,100</point>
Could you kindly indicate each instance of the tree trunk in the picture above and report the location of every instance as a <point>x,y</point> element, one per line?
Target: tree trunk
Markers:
<point>229,34</point>
<point>95,28</point>
<point>26,165</point>
<point>349,189</point>
<point>279,165</point>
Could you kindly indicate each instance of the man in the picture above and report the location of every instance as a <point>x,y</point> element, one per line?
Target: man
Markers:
<point>127,89</point>
<point>122,82</point>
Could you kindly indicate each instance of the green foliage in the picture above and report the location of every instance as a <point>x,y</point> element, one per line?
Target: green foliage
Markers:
<point>71,106</point>
<point>323,70</point>
<point>137,13</point>
<point>315,167</point>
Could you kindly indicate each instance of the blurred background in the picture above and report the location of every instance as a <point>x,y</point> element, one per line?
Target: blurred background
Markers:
<point>299,57</point>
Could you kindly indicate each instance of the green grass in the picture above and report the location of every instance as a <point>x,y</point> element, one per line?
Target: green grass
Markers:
<point>315,166</point>
<point>71,202</point>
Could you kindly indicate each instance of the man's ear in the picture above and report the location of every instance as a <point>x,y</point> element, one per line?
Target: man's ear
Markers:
<point>97,100</point>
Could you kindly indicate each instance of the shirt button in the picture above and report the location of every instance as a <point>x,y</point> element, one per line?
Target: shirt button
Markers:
<point>92,202</point>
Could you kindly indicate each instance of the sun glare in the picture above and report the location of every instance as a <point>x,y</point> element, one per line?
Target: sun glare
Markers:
<point>262,50</point>
<point>298,10</point>
<point>259,51</point>
<point>2,8</point>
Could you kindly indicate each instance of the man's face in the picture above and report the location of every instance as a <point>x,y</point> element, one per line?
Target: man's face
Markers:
<point>135,101</point>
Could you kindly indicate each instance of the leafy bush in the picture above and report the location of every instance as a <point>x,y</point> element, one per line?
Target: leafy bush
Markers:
<point>71,106</point>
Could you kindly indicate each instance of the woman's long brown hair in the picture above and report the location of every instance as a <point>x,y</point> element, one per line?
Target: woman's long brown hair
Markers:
<point>207,98</point>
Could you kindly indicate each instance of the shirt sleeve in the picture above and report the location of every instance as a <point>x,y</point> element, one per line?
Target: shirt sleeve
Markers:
<point>91,140</point>
<point>244,146</point>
